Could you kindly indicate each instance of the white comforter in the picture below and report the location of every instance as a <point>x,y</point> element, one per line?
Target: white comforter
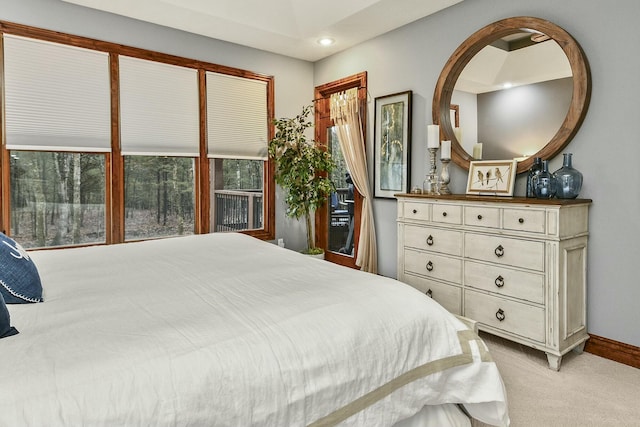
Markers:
<point>226,330</point>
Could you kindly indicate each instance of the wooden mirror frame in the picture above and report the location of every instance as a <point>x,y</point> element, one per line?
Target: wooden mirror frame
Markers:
<point>487,35</point>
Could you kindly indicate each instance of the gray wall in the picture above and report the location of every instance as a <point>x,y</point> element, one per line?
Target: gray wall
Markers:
<point>293,78</point>
<point>606,149</point>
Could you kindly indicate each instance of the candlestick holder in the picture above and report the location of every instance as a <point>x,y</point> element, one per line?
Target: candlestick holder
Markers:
<point>444,177</point>
<point>432,160</point>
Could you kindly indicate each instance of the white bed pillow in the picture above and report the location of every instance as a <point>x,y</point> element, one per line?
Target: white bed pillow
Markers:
<point>19,278</point>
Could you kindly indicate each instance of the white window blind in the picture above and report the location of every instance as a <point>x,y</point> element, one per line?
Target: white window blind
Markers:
<point>57,97</point>
<point>237,120</point>
<point>159,109</point>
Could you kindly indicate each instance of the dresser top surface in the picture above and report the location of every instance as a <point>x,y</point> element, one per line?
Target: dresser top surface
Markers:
<point>494,199</point>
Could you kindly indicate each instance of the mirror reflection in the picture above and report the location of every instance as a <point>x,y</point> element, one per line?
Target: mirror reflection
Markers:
<point>512,97</point>
<point>524,70</point>
<point>341,202</point>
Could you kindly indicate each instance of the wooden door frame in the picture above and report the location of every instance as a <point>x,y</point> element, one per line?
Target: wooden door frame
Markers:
<point>322,116</point>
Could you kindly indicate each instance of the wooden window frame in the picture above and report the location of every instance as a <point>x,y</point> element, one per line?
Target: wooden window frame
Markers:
<point>114,163</point>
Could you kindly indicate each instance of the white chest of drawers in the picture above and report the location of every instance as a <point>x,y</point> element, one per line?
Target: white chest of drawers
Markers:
<point>517,266</point>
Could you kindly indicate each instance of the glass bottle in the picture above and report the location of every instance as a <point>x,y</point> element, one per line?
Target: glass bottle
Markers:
<point>430,185</point>
<point>568,179</point>
<point>544,184</point>
<point>536,168</point>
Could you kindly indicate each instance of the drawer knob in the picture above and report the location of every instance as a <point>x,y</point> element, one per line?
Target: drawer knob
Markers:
<point>415,211</point>
<point>521,220</point>
<point>499,281</point>
<point>444,214</point>
<point>499,251</point>
<point>430,240</point>
<point>500,315</point>
<point>479,217</point>
<point>429,293</point>
<point>429,266</point>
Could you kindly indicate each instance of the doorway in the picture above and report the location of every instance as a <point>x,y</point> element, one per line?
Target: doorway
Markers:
<point>337,223</point>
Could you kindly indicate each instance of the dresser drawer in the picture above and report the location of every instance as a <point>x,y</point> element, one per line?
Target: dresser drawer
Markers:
<point>433,239</point>
<point>480,216</point>
<point>509,316</point>
<point>505,281</point>
<point>505,251</point>
<point>447,214</point>
<point>448,296</point>
<point>433,266</point>
<point>419,211</point>
<point>532,221</point>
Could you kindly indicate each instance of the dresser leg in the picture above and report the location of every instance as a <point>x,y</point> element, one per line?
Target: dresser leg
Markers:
<point>579,348</point>
<point>554,361</point>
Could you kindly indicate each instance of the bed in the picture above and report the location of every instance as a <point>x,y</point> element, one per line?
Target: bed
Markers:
<point>227,330</point>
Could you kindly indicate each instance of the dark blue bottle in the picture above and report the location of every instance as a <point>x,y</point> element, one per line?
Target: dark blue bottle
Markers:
<point>536,168</point>
<point>544,183</point>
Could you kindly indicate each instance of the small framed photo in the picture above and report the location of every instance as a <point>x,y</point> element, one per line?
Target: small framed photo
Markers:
<point>492,177</point>
<point>392,144</point>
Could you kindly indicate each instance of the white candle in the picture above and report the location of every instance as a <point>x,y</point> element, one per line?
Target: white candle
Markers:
<point>445,151</point>
<point>477,151</point>
<point>433,136</point>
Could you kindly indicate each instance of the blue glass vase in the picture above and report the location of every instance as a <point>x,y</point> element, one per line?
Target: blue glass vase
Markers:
<point>568,179</point>
<point>544,184</point>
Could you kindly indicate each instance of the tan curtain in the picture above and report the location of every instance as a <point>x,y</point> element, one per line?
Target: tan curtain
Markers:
<point>344,113</point>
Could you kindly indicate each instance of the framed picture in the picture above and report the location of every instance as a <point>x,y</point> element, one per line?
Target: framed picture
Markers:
<point>392,144</point>
<point>492,177</point>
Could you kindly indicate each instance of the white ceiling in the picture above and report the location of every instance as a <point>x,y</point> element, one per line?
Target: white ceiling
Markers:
<point>491,68</point>
<point>287,27</point>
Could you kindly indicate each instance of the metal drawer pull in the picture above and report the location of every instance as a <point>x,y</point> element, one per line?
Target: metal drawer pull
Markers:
<point>429,293</point>
<point>521,220</point>
<point>479,217</point>
<point>499,251</point>
<point>430,240</point>
<point>429,266</point>
<point>500,315</point>
<point>415,211</point>
<point>444,214</point>
<point>499,281</point>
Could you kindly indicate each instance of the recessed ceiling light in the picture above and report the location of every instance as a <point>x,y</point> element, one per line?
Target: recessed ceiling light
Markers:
<point>326,41</point>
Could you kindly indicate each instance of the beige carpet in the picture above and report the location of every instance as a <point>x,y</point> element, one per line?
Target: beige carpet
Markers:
<point>587,391</point>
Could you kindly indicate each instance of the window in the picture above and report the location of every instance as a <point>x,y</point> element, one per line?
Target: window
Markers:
<point>237,195</point>
<point>160,137</point>
<point>57,106</point>
<point>107,143</point>
<point>57,198</point>
<point>237,147</point>
<point>159,196</point>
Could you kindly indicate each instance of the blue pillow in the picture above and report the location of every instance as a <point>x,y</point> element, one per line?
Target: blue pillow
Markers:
<point>6,330</point>
<point>19,278</point>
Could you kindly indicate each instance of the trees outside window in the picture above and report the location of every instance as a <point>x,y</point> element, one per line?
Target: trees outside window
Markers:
<point>57,198</point>
<point>159,196</point>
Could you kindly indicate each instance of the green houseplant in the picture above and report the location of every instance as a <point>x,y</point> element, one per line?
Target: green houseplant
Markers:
<point>302,169</point>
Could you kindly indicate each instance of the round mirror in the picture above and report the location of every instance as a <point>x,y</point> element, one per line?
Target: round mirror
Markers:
<point>536,117</point>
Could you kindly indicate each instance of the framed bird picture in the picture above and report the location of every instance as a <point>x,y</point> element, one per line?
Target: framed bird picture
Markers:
<point>492,177</point>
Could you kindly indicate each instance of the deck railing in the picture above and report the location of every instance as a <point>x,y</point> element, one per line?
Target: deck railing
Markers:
<point>236,210</point>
